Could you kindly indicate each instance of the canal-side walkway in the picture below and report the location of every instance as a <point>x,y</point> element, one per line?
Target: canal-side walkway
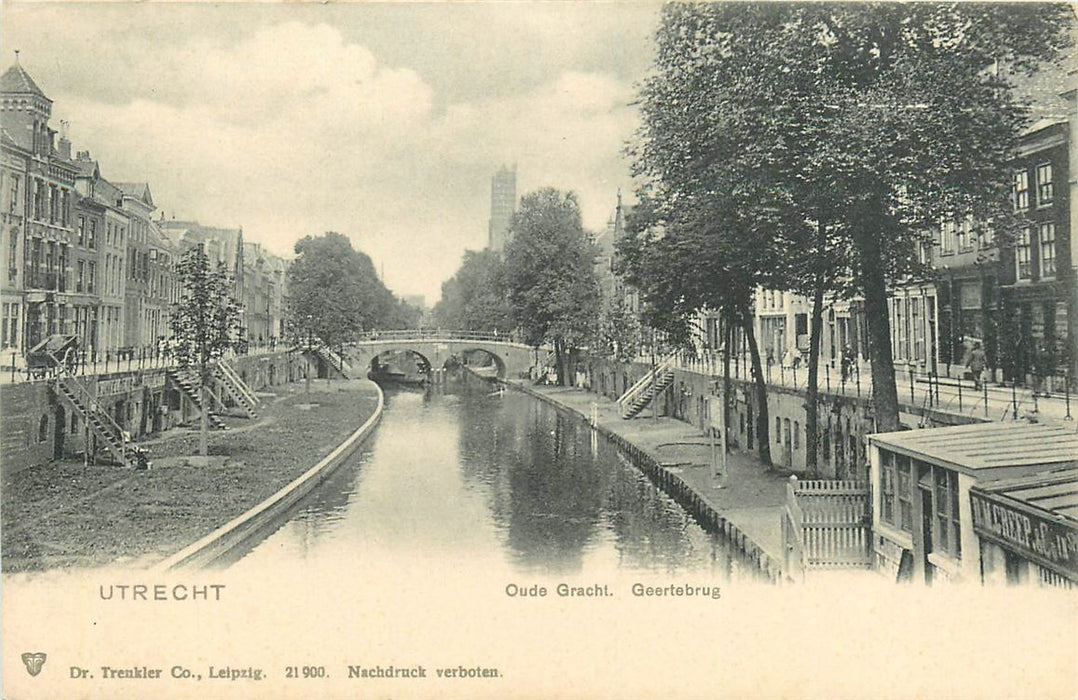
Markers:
<point>65,514</point>
<point>751,497</point>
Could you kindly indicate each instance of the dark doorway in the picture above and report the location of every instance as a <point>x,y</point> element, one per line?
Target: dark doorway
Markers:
<point>58,433</point>
<point>926,532</point>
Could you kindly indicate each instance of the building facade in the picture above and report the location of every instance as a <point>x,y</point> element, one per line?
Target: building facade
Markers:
<point>137,202</point>
<point>39,192</point>
<point>1036,272</point>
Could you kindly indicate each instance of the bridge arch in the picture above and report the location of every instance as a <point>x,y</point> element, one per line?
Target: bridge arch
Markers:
<point>467,354</point>
<point>511,359</point>
<point>423,363</point>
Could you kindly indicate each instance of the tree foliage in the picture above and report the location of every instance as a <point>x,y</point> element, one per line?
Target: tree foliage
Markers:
<point>550,275</point>
<point>334,292</point>
<point>205,322</point>
<point>476,297</point>
<point>793,145</point>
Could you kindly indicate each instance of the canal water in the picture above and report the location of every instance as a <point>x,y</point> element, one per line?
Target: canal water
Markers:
<point>465,476</point>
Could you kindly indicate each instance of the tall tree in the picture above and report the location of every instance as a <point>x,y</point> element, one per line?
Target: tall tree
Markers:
<point>334,292</point>
<point>550,275</point>
<point>684,259</point>
<point>886,118</point>
<point>205,322</point>
<point>476,297</point>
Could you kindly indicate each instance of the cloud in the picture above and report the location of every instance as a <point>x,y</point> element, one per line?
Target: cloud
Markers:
<point>292,129</point>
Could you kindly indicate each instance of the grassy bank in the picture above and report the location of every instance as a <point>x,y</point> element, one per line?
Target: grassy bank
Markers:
<point>68,515</point>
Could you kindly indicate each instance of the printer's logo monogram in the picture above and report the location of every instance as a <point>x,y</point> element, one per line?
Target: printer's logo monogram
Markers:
<point>33,661</point>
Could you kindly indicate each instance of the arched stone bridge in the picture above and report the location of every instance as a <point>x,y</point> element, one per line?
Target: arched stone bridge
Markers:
<point>512,359</point>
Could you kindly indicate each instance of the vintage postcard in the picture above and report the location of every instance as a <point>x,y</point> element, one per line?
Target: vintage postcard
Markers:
<point>538,350</point>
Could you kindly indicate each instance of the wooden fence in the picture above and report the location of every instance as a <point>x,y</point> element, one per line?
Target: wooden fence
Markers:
<point>826,525</point>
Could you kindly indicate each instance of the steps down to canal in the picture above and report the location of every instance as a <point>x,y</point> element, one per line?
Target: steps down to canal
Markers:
<point>638,396</point>
<point>187,382</point>
<point>108,433</point>
<point>237,390</point>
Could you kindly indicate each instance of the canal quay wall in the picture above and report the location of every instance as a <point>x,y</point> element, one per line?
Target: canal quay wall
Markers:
<point>38,428</point>
<point>267,515</point>
<point>845,416</point>
<point>682,476</point>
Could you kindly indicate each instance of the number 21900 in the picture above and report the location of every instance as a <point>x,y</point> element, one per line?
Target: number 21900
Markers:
<point>304,671</point>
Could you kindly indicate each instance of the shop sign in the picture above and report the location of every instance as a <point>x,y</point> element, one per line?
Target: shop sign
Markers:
<point>1041,538</point>
<point>119,385</point>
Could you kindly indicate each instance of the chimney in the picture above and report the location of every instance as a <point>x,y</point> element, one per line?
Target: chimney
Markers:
<point>65,144</point>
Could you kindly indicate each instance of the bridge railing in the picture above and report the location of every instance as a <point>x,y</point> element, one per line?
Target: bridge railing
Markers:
<point>439,334</point>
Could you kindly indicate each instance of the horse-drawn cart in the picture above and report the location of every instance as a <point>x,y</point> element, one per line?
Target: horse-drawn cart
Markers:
<point>52,354</point>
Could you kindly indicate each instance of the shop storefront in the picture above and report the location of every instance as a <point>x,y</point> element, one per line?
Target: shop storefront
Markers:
<point>923,527</point>
<point>1028,529</point>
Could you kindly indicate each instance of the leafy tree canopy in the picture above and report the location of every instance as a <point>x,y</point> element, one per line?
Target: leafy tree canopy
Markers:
<point>476,297</point>
<point>550,273</point>
<point>206,320</point>
<point>334,292</point>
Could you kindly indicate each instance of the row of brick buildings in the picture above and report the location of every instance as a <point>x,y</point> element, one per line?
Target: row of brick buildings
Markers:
<point>85,256</point>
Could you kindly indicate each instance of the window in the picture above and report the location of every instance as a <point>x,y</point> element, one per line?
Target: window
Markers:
<point>887,487</point>
<point>947,532</point>
<point>82,230</point>
<point>14,203</point>
<point>797,435</point>
<point>108,233</point>
<point>91,278</point>
<point>905,493</point>
<point>80,276</point>
<point>12,257</point>
<point>1048,250</point>
<point>7,329</point>
<point>964,235</point>
<point>1021,190</point>
<point>778,430</point>
<point>947,238</point>
<point>1044,184</point>
<point>1021,255</point>
<point>91,237</point>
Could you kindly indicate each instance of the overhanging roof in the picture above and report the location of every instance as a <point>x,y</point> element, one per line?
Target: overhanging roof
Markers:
<point>986,445</point>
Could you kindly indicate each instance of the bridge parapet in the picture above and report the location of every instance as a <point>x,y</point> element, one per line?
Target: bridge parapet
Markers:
<point>437,346</point>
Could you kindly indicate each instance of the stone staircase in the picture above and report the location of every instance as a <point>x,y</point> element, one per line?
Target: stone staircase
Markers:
<point>639,395</point>
<point>332,360</point>
<point>236,389</point>
<point>108,432</point>
<point>187,382</point>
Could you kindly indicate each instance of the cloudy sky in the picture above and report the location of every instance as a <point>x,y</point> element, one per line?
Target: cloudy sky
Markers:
<point>381,121</point>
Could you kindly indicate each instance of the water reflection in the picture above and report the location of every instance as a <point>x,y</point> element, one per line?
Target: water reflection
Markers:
<point>463,474</point>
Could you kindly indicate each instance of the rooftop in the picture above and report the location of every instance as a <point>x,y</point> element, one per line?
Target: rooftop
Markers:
<point>1055,492</point>
<point>17,81</point>
<point>138,190</point>
<point>987,445</point>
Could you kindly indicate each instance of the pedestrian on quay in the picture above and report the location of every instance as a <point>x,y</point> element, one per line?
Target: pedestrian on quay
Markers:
<point>976,365</point>
<point>847,361</point>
